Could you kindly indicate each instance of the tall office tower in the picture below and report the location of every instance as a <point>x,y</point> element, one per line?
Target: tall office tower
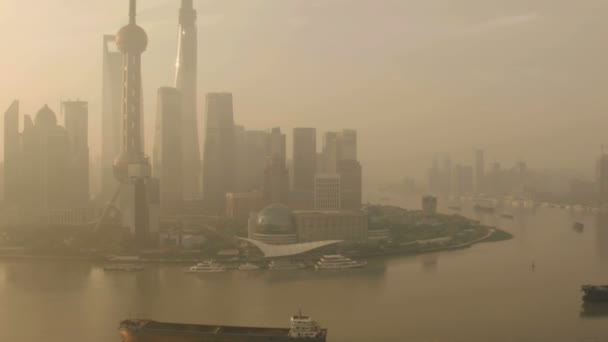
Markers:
<point>276,181</point>
<point>76,115</point>
<point>347,145</point>
<point>277,145</point>
<point>330,152</point>
<point>12,148</point>
<point>327,192</point>
<point>255,160</point>
<point>602,178</point>
<point>276,175</point>
<point>241,163</point>
<point>167,159</point>
<point>479,171</point>
<point>132,167</point>
<point>304,159</point>
<point>111,111</point>
<point>186,83</point>
<point>351,184</point>
<point>220,155</point>
<point>45,162</point>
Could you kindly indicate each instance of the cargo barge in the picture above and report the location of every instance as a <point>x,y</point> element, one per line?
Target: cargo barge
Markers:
<point>303,329</point>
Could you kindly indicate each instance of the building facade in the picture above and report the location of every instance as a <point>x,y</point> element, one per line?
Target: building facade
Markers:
<point>167,157</point>
<point>331,225</point>
<point>76,115</point>
<point>304,159</point>
<point>327,192</point>
<point>111,113</point>
<point>186,83</point>
<point>351,184</point>
<point>219,166</point>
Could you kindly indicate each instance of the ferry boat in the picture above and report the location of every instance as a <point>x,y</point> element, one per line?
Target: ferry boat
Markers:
<point>338,262</point>
<point>303,328</point>
<point>123,268</point>
<point>248,267</point>
<point>595,293</point>
<point>206,267</point>
<point>285,265</point>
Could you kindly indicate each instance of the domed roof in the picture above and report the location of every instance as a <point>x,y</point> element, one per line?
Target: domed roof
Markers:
<point>132,38</point>
<point>46,117</point>
<point>276,219</point>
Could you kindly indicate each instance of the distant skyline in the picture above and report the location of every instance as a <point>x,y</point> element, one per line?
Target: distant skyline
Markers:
<point>521,79</point>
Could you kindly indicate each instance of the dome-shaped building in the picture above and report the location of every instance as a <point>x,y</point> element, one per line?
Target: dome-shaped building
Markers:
<point>45,117</point>
<point>275,225</point>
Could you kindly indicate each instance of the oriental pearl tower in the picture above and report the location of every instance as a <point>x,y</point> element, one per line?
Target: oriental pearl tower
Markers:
<point>132,166</point>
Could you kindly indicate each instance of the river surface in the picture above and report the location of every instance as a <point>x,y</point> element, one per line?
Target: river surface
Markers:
<point>489,292</point>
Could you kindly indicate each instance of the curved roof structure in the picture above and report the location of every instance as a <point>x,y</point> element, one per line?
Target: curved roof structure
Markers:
<point>277,251</point>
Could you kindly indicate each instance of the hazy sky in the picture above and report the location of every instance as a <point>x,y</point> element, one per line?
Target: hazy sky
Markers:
<point>522,78</point>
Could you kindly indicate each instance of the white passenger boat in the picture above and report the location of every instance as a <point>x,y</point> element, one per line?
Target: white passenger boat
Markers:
<point>206,267</point>
<point>338,262</point>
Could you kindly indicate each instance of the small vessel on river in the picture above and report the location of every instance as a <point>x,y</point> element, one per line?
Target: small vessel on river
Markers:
<point>206,267</point>
<point>338,262</point>
<point>595,293</point>
<point>303,328</point>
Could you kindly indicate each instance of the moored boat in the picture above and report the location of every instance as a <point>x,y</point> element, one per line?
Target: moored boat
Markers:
<point>338,262</point>
<point>303,328</point>
<point>595,293</point>
<point>206,267</point>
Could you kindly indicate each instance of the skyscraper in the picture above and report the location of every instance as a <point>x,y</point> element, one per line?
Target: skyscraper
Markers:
<point>327,192</point>
<point>351,183</point>
<point>12,147</point>
<point>304,159</point>
<point>276,175</point>
<point>167,163</point>
<point>76,115</point>
<point>347,145</point>
<point>330,152</point>
<point>479,171</point>
<point>111,112</point>
<point>254,160</point>
<point>186,83</point>
<point>44,173</point>
<point>220,155</point>
<point>132,165</point>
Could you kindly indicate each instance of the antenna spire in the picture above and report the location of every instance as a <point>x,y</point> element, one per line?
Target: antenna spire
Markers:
<point>132,11</point>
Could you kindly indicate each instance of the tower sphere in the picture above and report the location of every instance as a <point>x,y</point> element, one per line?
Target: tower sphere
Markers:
<point>132,39</point>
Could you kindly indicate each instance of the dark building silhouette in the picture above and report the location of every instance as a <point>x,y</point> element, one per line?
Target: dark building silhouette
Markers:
<point>76,115</point>
<point>219,174</point>
<point>44,168</point>
<point>330,153</point>
<point>186,83</point>
<point>276,175</point>
<point>254,160</point>
<point>351,183</point>
<point>132,166</point>
<point>111,112</point>
<point>12,154</point>
<point>167,159</point>
<point>304,159</point>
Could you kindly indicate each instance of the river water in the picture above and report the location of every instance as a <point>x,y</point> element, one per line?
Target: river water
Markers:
<point>489,292</point>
